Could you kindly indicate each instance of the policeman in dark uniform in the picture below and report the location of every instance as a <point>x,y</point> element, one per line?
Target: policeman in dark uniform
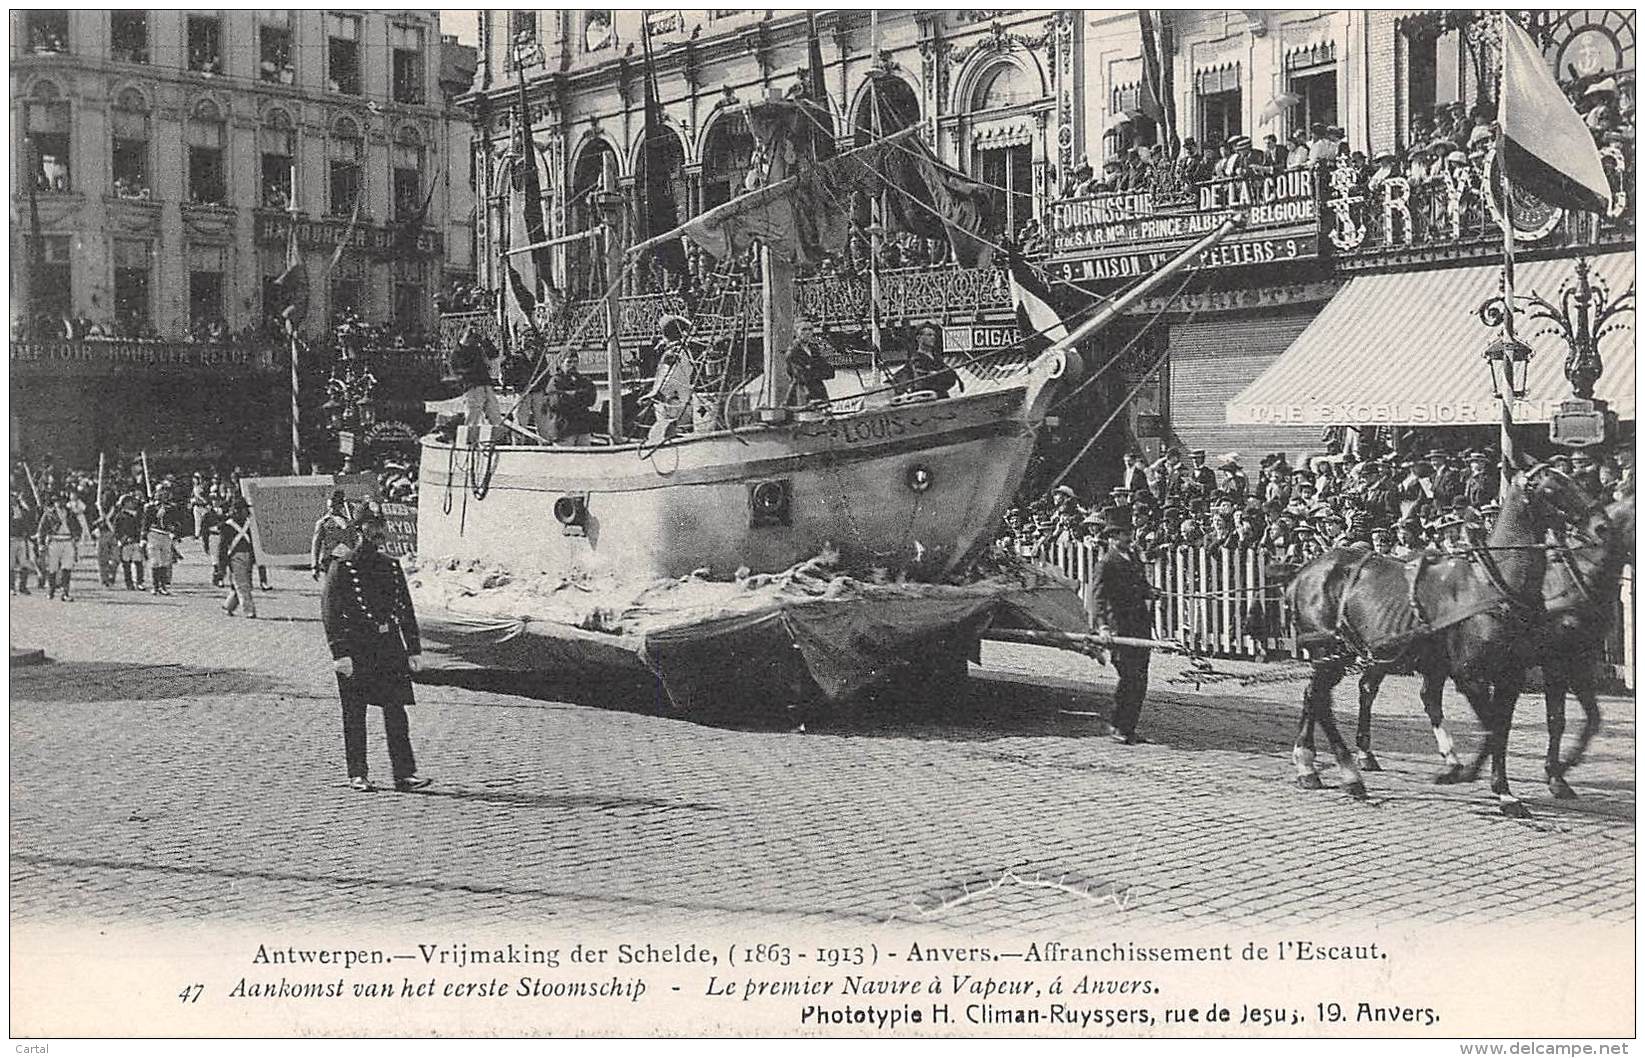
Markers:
<point>372,631</point>
<point>1120,594</point>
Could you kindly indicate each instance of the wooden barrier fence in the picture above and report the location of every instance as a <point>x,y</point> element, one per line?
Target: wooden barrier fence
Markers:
<point>1206,596</point>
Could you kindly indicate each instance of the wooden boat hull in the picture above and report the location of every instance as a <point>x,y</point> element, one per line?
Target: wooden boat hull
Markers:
<point>917,488</point>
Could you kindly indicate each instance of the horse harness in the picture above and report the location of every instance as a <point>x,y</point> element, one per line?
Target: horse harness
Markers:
<point>1507,600</point>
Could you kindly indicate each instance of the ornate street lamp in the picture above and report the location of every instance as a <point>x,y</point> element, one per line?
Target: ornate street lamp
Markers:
<point>1582,313</point>
<point>1510,362</point>
<point>1585,314</point>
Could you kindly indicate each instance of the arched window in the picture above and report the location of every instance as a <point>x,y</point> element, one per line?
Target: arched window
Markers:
<point>204,136</point>
<point>898,109</point>
<point>1002,145</point>
<point>407,159</point>
<point>47,138</point>
<point>727,158</point>
<point>277,140</point>
<point>888,106</point>
<point>670,158</point>
<point>1006,85</point>
<point>129,120</point>
<point>346,153</point>
<point>595,171</point>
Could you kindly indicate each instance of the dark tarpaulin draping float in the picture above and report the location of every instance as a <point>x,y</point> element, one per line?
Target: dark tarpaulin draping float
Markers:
<point>783,635</point>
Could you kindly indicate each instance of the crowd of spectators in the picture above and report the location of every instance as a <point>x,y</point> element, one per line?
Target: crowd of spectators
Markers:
<point>46,327</point>
<point>1443,499</point>
<point>1451,135</point>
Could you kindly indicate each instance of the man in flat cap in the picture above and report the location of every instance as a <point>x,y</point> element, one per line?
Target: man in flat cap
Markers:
<point>1120,595</point>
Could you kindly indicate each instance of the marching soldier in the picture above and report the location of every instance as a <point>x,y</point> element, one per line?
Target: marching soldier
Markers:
<point>372,632</point>
<point>108,545</point>
<point>1120,595</point>
<point>235,557</point>
<point>163,523</point>
<point>23,525</point>
<point>128,533</point>
<point>333,535</point>
<point>58,537</point>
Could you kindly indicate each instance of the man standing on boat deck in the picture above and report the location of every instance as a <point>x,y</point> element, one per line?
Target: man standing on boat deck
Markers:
<point>1120,595</point>
<point>571,397</point>
<point>931,373</point>
<point>474,362</point>
<point>808,366</point>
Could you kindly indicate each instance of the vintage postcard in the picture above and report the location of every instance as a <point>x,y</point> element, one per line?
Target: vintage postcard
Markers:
<point>1097,524</point>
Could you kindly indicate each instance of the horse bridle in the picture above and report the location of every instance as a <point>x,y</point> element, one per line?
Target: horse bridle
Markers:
<point>1494,574</point>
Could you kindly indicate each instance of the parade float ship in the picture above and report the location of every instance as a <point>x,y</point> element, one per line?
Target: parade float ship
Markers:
<point>779,550</point>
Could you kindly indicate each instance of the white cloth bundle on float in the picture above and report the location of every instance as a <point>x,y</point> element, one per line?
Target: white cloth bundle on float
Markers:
<point>458,405</point>
<point>779,634</point>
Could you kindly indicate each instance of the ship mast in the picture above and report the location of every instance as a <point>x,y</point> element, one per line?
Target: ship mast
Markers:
<point>777,307</point>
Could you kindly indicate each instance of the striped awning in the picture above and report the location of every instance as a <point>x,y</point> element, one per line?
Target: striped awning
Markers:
<point>1408,349</point>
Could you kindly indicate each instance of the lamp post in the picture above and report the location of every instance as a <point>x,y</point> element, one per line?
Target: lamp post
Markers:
<point>1581,313</point>
<point>1509,361</point>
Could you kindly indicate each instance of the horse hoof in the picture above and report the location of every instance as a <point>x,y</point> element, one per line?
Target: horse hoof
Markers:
<point>1311,781</point>
<point>1450,776</point>
<point>1515,810</point>
<point>1356,790</point>
<point>1367,761</point>
<point>1560,788</point>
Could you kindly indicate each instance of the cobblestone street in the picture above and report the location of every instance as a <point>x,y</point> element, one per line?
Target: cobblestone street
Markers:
<point>171,764</point>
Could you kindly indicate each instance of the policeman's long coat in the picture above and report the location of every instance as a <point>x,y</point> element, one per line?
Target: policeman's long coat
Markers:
<point>363,594</point>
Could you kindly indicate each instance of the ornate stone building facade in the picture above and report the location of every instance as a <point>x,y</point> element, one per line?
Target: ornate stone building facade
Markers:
<point>155,158</point>
<point>164,149</point>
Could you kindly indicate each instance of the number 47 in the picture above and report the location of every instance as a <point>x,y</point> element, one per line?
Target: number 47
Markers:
<point>191,993</point>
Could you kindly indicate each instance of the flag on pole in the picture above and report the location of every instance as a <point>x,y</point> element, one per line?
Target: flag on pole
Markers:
<point>529,276</point>
<point>816,94</point>
<point>930,200</point>
<point>1158,97</point>
<point>658,212</point>
<point>1547,149</point>
<point>1040,325</point>
<point>36,249</point>
<point>404,239</point>
<point>291,286</point>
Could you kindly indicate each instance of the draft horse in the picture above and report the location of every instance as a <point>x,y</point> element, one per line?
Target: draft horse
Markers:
<point>1579,592</point>
<point>1472,619</point>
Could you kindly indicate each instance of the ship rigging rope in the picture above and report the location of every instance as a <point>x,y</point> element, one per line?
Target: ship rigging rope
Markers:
<point>945,167</point>
<point>1121,405</point>
<point>543,369</point>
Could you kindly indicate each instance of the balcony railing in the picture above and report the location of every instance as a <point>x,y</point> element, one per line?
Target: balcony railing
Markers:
<point>1381,218</point>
